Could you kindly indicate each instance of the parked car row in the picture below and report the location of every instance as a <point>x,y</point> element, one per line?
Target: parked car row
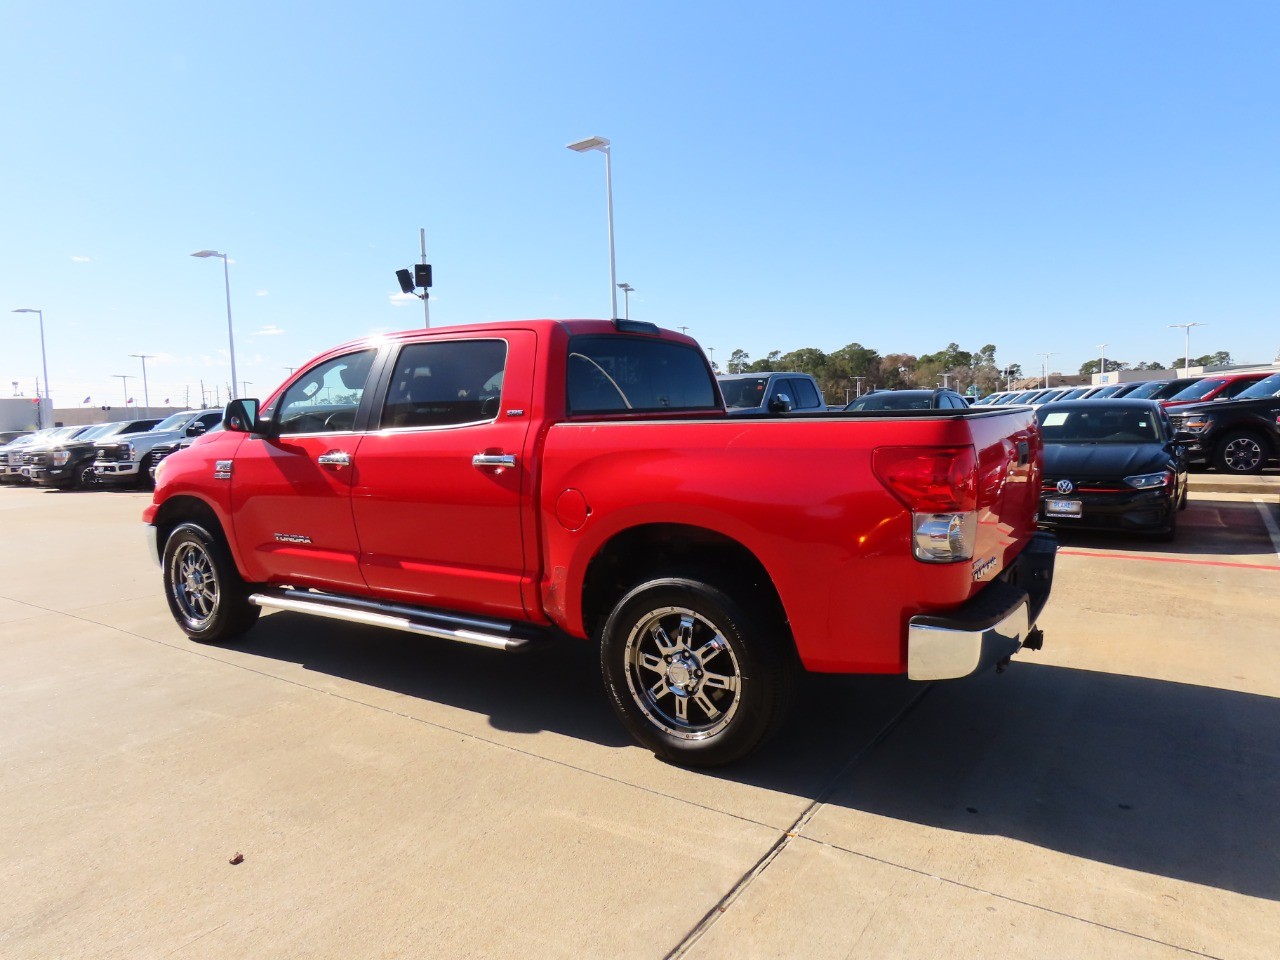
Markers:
<point>121,453</point>
<point>1170,392</point>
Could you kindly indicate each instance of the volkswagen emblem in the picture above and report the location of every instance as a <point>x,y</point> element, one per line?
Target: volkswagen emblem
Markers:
<point>1065,486</point>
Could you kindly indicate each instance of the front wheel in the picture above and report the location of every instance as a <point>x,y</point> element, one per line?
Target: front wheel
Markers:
<point>1241,452</point>
<point>694,676</point>
<point>207,596</point>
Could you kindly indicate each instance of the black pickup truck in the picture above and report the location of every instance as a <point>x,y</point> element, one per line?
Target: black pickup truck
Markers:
<point>70,464</point>
<point>765,394</point>
<point>1235,436</point>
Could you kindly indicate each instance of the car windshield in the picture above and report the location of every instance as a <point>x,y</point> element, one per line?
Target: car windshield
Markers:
<point>894,400</point>
<point>1198,389</point>
<point>1104,425</point>
<point>1269,387</point>
<point>1145,391</point>
<point>101,430</point>
<point>744,392</point>
<point>172,423</point>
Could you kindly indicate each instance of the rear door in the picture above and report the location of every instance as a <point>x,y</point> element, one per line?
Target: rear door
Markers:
<point>442,477</point>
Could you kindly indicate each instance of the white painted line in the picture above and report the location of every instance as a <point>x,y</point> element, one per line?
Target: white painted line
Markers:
<point>1264,508</point>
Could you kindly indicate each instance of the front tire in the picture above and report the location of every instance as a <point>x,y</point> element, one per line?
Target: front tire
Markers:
<point>694,675</point>
<point>206,594</point>
<point>1242,453</point>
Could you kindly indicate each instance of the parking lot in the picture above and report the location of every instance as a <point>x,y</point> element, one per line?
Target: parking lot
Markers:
<point>1114,795</point>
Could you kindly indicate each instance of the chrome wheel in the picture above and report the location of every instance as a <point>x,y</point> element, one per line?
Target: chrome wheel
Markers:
<point>194,584</point>
<point>683,673</point>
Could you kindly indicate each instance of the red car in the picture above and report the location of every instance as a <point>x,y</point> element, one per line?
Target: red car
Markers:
<point>1221,386</point>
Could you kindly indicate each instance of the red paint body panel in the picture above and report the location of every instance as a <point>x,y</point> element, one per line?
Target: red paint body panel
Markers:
<point>413,519</point>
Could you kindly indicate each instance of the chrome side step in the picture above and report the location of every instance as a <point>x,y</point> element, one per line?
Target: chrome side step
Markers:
<point>493,634</point>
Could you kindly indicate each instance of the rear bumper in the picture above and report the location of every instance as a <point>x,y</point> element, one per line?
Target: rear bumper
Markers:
<point>991,627</point>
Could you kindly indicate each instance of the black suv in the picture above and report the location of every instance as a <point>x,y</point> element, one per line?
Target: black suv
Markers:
<point>1235,436</point>
<point>878,400</point>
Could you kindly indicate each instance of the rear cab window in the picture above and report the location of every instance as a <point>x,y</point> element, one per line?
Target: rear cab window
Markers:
<point>612,374</point>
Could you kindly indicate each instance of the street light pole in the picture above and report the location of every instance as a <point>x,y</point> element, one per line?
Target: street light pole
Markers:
<point>231,340</point>
<point>1186,370</point>
<point>1046,367</point>
<point>1102,361</point>
<point>124,377</point>
<point>146,396</point>
<point>602,144</point>
<point>44,363</point>
<point>627,290</point>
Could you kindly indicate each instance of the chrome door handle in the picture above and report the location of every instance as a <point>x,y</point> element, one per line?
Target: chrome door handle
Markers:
<point>494,460</point>
<point>335,458</point>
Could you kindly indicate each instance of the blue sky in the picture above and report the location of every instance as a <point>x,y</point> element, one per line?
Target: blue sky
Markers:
<point>1044,177</point>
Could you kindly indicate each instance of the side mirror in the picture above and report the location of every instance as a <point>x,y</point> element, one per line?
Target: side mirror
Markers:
<point>241,416</point>
<point>780,404</point>
<point>195,429</point>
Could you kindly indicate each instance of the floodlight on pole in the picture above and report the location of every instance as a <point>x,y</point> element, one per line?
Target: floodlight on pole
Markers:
<point>1046,367</point>
<point>627,290</point>
<point>44,363</point>
<point>1186,370</point>
<point>602,144</point>
<point>231,340</point>
<point>124,378</point>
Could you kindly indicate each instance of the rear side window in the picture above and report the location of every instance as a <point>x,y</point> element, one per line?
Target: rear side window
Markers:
<point>618,374</point>
<point>445,383</point>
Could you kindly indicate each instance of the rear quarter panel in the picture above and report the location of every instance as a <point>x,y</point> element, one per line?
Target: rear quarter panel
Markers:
<point>800,494</point>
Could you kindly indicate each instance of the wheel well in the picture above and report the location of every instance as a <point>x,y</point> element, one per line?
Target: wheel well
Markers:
<point>666,550</point>
<point>178,510</point>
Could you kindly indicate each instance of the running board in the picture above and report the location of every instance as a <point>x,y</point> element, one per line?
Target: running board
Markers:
<point>493,634</point>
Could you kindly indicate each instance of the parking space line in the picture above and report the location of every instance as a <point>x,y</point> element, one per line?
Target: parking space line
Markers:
<point>1272,530</point>
<point>1199,563</point>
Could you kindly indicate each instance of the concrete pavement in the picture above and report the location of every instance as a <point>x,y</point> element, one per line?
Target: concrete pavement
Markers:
<point>1112,795</point>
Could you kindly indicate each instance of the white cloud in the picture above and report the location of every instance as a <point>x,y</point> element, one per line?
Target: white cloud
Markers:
<point>261,293</point>
<point>270,330</point>
<point>402,299</point>
<point>80,259</point>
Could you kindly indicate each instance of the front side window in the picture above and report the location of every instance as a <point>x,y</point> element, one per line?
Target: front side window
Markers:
<point>446,383</point>
<point>326,397</point>
<point>618,374</point>
<point>804,393</point>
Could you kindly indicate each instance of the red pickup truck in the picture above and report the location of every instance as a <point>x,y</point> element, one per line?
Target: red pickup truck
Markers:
<point>503,483</point>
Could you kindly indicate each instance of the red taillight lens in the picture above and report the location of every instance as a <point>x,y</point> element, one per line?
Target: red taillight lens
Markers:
<point>929,479</point>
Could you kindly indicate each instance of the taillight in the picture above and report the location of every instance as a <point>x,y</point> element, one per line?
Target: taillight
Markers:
<point>939,485</point>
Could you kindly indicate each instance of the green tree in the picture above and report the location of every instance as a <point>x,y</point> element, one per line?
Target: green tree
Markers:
<point>1090,367</point>
<point>738,361</point>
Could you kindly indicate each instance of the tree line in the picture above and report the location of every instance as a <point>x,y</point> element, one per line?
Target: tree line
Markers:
<point>855,369</point>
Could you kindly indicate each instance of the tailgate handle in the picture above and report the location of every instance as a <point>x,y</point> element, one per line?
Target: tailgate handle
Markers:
<point>1024,453</point>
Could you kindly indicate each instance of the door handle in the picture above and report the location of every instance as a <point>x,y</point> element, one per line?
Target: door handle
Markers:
<point>494,460</point>
<point>334,458</point>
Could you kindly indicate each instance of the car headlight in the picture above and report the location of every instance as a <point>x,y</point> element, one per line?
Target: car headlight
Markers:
<point>1196,424</point>
<point>128,451</point>
<point>1150,481</point>
<point>60,457</point>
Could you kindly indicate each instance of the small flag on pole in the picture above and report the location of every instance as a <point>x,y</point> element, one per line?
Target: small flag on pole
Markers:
<point>130,401</point>
<point>86,400</point>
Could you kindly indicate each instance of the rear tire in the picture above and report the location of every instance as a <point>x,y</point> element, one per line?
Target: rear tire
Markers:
<point>1242,453</point>
<point>206,594</point>
<point>696,676</point>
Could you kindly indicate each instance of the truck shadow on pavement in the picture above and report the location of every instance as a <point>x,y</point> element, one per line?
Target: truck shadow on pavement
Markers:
<point>1164,778</point>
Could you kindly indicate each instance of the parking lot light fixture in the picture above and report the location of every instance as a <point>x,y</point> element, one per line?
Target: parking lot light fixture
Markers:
<point>231,340</point>
<point>146,394</point>
<point>602,144</point>
<point>1186,370</point>
<point>44,363</point>
<point>1102,362</point>
<point>627,290</point>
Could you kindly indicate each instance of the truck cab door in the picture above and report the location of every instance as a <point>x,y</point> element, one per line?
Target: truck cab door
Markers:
<point>291,489</point>
<point>443,475</point>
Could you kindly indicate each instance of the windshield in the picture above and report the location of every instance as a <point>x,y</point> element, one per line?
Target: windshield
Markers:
<point>1145,391</point>
<point>900,400</point>
<point>1106,425</point>
<point>1269,387</point>
<point>101,430</point>
<point>172,423</point>
<point>744,392</point>
<point>1198,389</point>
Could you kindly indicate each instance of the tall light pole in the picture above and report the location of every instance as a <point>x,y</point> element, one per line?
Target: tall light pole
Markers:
<point>601,144</point>
<point>1186,371</point>
<point>627,290</point>
<point>124,378</point>
<point>231,340</point>
<point>146,396</point>
<point>1046,367</point>
<point>1102,361</point>
<point>426,307</point>
<point>44,363</point>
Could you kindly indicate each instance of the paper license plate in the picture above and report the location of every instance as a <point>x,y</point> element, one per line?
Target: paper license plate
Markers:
<point>1062,508</point>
